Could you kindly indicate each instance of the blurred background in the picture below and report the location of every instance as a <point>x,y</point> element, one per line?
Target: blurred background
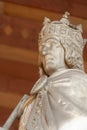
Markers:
<point>20,23</point>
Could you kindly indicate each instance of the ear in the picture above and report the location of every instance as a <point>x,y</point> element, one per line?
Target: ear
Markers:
<point>46,20</point>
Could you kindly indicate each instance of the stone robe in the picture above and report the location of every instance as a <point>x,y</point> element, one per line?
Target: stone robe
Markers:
<point>61,104</point>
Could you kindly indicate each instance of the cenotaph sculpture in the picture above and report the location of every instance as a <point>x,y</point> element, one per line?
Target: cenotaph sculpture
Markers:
<point>58,100</point>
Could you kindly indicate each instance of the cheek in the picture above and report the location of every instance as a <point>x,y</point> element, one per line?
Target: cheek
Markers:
<point>59,52</point>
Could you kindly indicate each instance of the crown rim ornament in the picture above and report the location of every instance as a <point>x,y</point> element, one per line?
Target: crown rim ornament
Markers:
<point>62,29</point>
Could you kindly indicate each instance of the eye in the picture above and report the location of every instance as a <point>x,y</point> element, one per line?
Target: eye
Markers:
<point>57,46</point>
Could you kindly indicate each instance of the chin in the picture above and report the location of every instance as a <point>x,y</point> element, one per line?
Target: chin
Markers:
<point>50,70</point>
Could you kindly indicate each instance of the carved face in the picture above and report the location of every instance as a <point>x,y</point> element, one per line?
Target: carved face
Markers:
<point>51,55</point>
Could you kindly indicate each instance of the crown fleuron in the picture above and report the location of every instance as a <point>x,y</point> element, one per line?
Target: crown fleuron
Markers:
<point>62,30</point>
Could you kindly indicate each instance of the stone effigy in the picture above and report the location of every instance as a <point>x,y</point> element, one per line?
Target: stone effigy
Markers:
<point>58,100</point>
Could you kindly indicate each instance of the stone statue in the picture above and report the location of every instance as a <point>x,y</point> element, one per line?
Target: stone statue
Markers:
<point>58,100</point>
<point>60,95</point>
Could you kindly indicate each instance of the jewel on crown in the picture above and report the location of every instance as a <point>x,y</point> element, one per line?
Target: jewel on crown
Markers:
<point>62,30</point>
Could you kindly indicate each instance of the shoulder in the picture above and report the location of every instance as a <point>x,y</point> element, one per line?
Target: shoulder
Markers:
<point>78,75</point>
<point>79,83</point>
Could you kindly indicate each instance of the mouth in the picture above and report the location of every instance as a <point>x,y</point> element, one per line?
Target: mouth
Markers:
<point>49,58</point>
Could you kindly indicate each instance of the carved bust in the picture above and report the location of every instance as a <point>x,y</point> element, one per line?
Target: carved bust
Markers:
<point>59,97</point>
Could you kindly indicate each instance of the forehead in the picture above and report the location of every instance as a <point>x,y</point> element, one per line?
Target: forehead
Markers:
<point>50,41</point>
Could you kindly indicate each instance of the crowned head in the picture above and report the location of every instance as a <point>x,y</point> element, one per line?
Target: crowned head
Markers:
<point>70,37</point>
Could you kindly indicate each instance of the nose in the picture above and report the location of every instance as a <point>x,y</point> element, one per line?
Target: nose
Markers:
<point>45,50</point>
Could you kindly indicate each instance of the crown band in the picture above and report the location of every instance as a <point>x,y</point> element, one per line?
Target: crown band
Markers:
<point>62,30</point>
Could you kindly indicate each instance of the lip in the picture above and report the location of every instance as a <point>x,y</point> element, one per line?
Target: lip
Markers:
<point>49,59</point>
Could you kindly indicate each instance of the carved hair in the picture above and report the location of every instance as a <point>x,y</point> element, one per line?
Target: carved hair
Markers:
<point>73,55</point>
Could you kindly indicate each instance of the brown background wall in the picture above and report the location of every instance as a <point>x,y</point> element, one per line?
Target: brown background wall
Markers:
<point>20,23</point>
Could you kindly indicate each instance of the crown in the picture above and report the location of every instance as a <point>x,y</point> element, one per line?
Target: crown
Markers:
<point>62,30</point>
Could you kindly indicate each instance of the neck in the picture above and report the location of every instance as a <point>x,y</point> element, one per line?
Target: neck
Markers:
<point>51,72</point>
